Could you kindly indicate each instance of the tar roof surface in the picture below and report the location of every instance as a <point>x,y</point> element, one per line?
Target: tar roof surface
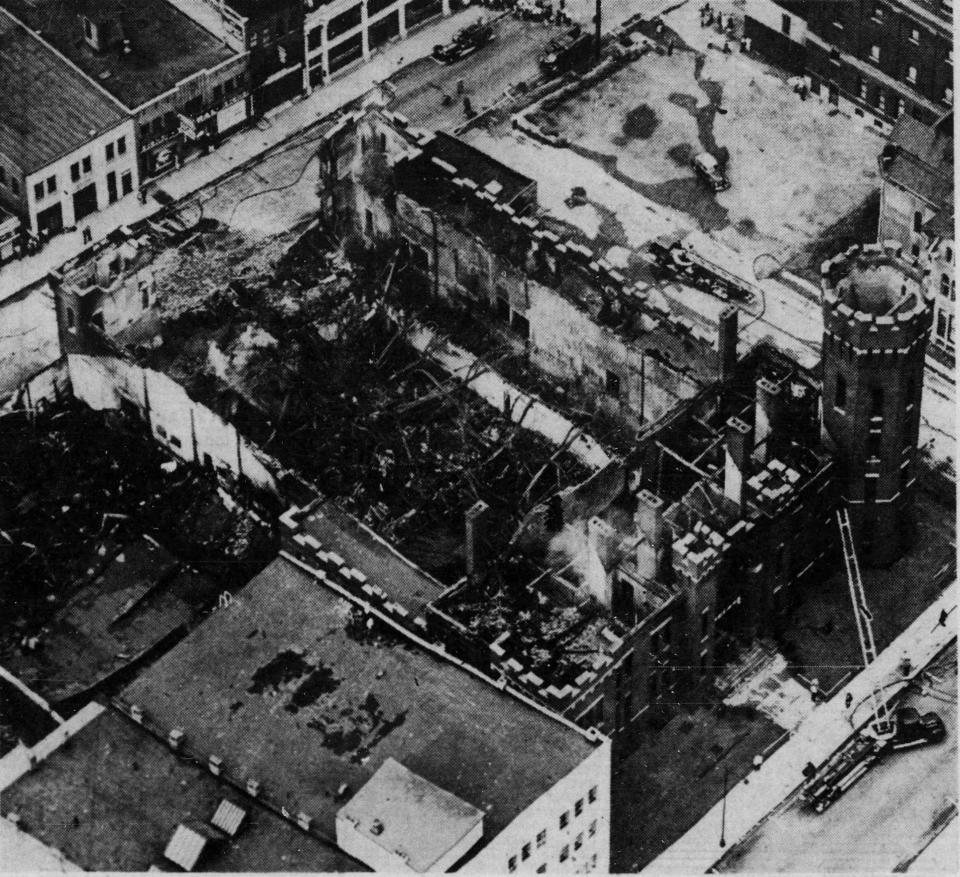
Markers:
<point>290,686</point>
<point>113,797</point>
<point>47,109</point>
<point>340,533</point>
<point>167,46</point>
<point>924,162</point>
<point>469,161</point>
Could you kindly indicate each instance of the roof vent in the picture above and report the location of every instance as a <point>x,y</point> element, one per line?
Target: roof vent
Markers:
<point>343,791</point>
<point>229,818</point>
<point>185,847</point>
<point>175,739</point>
<point>303,821</point>
<point>253,788</point>
<point>376,827</point>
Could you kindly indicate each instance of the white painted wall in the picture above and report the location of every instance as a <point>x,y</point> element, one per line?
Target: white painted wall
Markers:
<point>29,340</point>
<point>544,813</point>
<point>175,419</point>
<point>100,167</point>
<point>768,13</point>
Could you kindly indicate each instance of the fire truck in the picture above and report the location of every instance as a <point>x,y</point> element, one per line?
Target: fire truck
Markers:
<point>466,42</point>
<point>886,732</point>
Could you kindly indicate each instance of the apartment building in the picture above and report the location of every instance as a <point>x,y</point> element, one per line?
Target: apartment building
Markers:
<point>916,209</point>
<point>66,149</point>
<point>875,59</point>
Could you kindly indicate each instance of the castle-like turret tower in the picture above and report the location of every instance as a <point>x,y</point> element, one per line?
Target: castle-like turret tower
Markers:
<point>876,322</point>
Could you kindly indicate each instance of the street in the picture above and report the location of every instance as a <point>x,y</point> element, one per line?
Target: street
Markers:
<point>883,822</point>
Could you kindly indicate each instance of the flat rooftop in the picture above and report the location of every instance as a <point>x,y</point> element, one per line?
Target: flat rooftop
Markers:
<point>138,596</point>
<point>394,808</point>
<point>291,686</point>
<point>47,109</point>
<point>418,179</point>
<point>363,550</point>
<point>112,798</point>
<point>167,46</point>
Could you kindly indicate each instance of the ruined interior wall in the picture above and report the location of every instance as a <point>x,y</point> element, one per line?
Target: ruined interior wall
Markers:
<point>188,429</point>
<point>29,340</point>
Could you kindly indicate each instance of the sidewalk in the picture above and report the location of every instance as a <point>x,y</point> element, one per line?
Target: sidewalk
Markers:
<point>817,737</point>
<point>239,149</point>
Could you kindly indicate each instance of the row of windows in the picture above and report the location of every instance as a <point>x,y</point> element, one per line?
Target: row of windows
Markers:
<point>526,852</point>
<point>541,840</point>
<point>876,396</point>
<point>44,188</point>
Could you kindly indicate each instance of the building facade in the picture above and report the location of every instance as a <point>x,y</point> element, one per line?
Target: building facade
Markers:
<point>67,149</point>
<point>183,87</point>
<point>341,33</point>
<point>874,59</point>
<point>877,314</point>
<point>916,209</point>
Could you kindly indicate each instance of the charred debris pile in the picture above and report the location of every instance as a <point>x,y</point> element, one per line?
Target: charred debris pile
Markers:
<point>77,485</point>
<point>308,358</point>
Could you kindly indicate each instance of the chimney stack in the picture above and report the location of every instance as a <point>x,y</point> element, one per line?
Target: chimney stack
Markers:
<point>737,460</point>
<point>727,333</point>
<point>766,418</point>
<point>648,520</point>
<point>599,543</point>
<point>476,537</point>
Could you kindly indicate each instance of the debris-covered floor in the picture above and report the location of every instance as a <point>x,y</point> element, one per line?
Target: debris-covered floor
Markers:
<point>299,351</point>
<point>107,546</point>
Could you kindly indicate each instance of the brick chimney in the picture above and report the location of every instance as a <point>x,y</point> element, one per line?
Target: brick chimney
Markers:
<point>648,520</point>
<point>476,520</point>
<point>736,468</point>
<point>727,334</point>
<point>766,418</point>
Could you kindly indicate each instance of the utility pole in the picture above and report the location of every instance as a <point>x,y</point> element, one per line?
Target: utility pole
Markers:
<point>723,810</point>
<point>596,47</point>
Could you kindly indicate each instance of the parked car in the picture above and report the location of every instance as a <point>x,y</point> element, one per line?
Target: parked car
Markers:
<point>467,41</point>
<point>708,169</point>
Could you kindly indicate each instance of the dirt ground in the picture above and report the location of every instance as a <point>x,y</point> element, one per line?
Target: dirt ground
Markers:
<point>822,640</point>
<point>796,172</point>
<point>677,775</point>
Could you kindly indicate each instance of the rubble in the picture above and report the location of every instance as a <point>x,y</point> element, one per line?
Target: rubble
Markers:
<point>301,352</point>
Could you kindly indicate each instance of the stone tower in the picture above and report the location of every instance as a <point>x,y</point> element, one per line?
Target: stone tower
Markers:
<point>876,322</point>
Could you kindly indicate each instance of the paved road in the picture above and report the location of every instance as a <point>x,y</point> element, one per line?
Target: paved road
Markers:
<point>427,91</point>
<point>881,824</point>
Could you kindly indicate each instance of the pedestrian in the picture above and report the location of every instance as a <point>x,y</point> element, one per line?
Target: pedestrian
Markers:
<point>943,617</point>
<point>757,761</point>
<point>670,48</point>
<point>815,690</point>
<point>467,108</point>
<point>905,665</point>
<point>746,44</point>
<point>848,700</point>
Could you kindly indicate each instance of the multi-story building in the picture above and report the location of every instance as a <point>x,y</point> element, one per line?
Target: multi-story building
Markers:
<point>713,521</point>
<point>876,59</point>
<point>916,209</point>
<point>379,742</point>
<point>270,31</point>
<point>343,32</point>
<point>66,148</point>
<point>182,87</point>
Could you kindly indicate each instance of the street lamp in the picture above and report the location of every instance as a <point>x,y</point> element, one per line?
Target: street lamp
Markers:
<point>723,810</point>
